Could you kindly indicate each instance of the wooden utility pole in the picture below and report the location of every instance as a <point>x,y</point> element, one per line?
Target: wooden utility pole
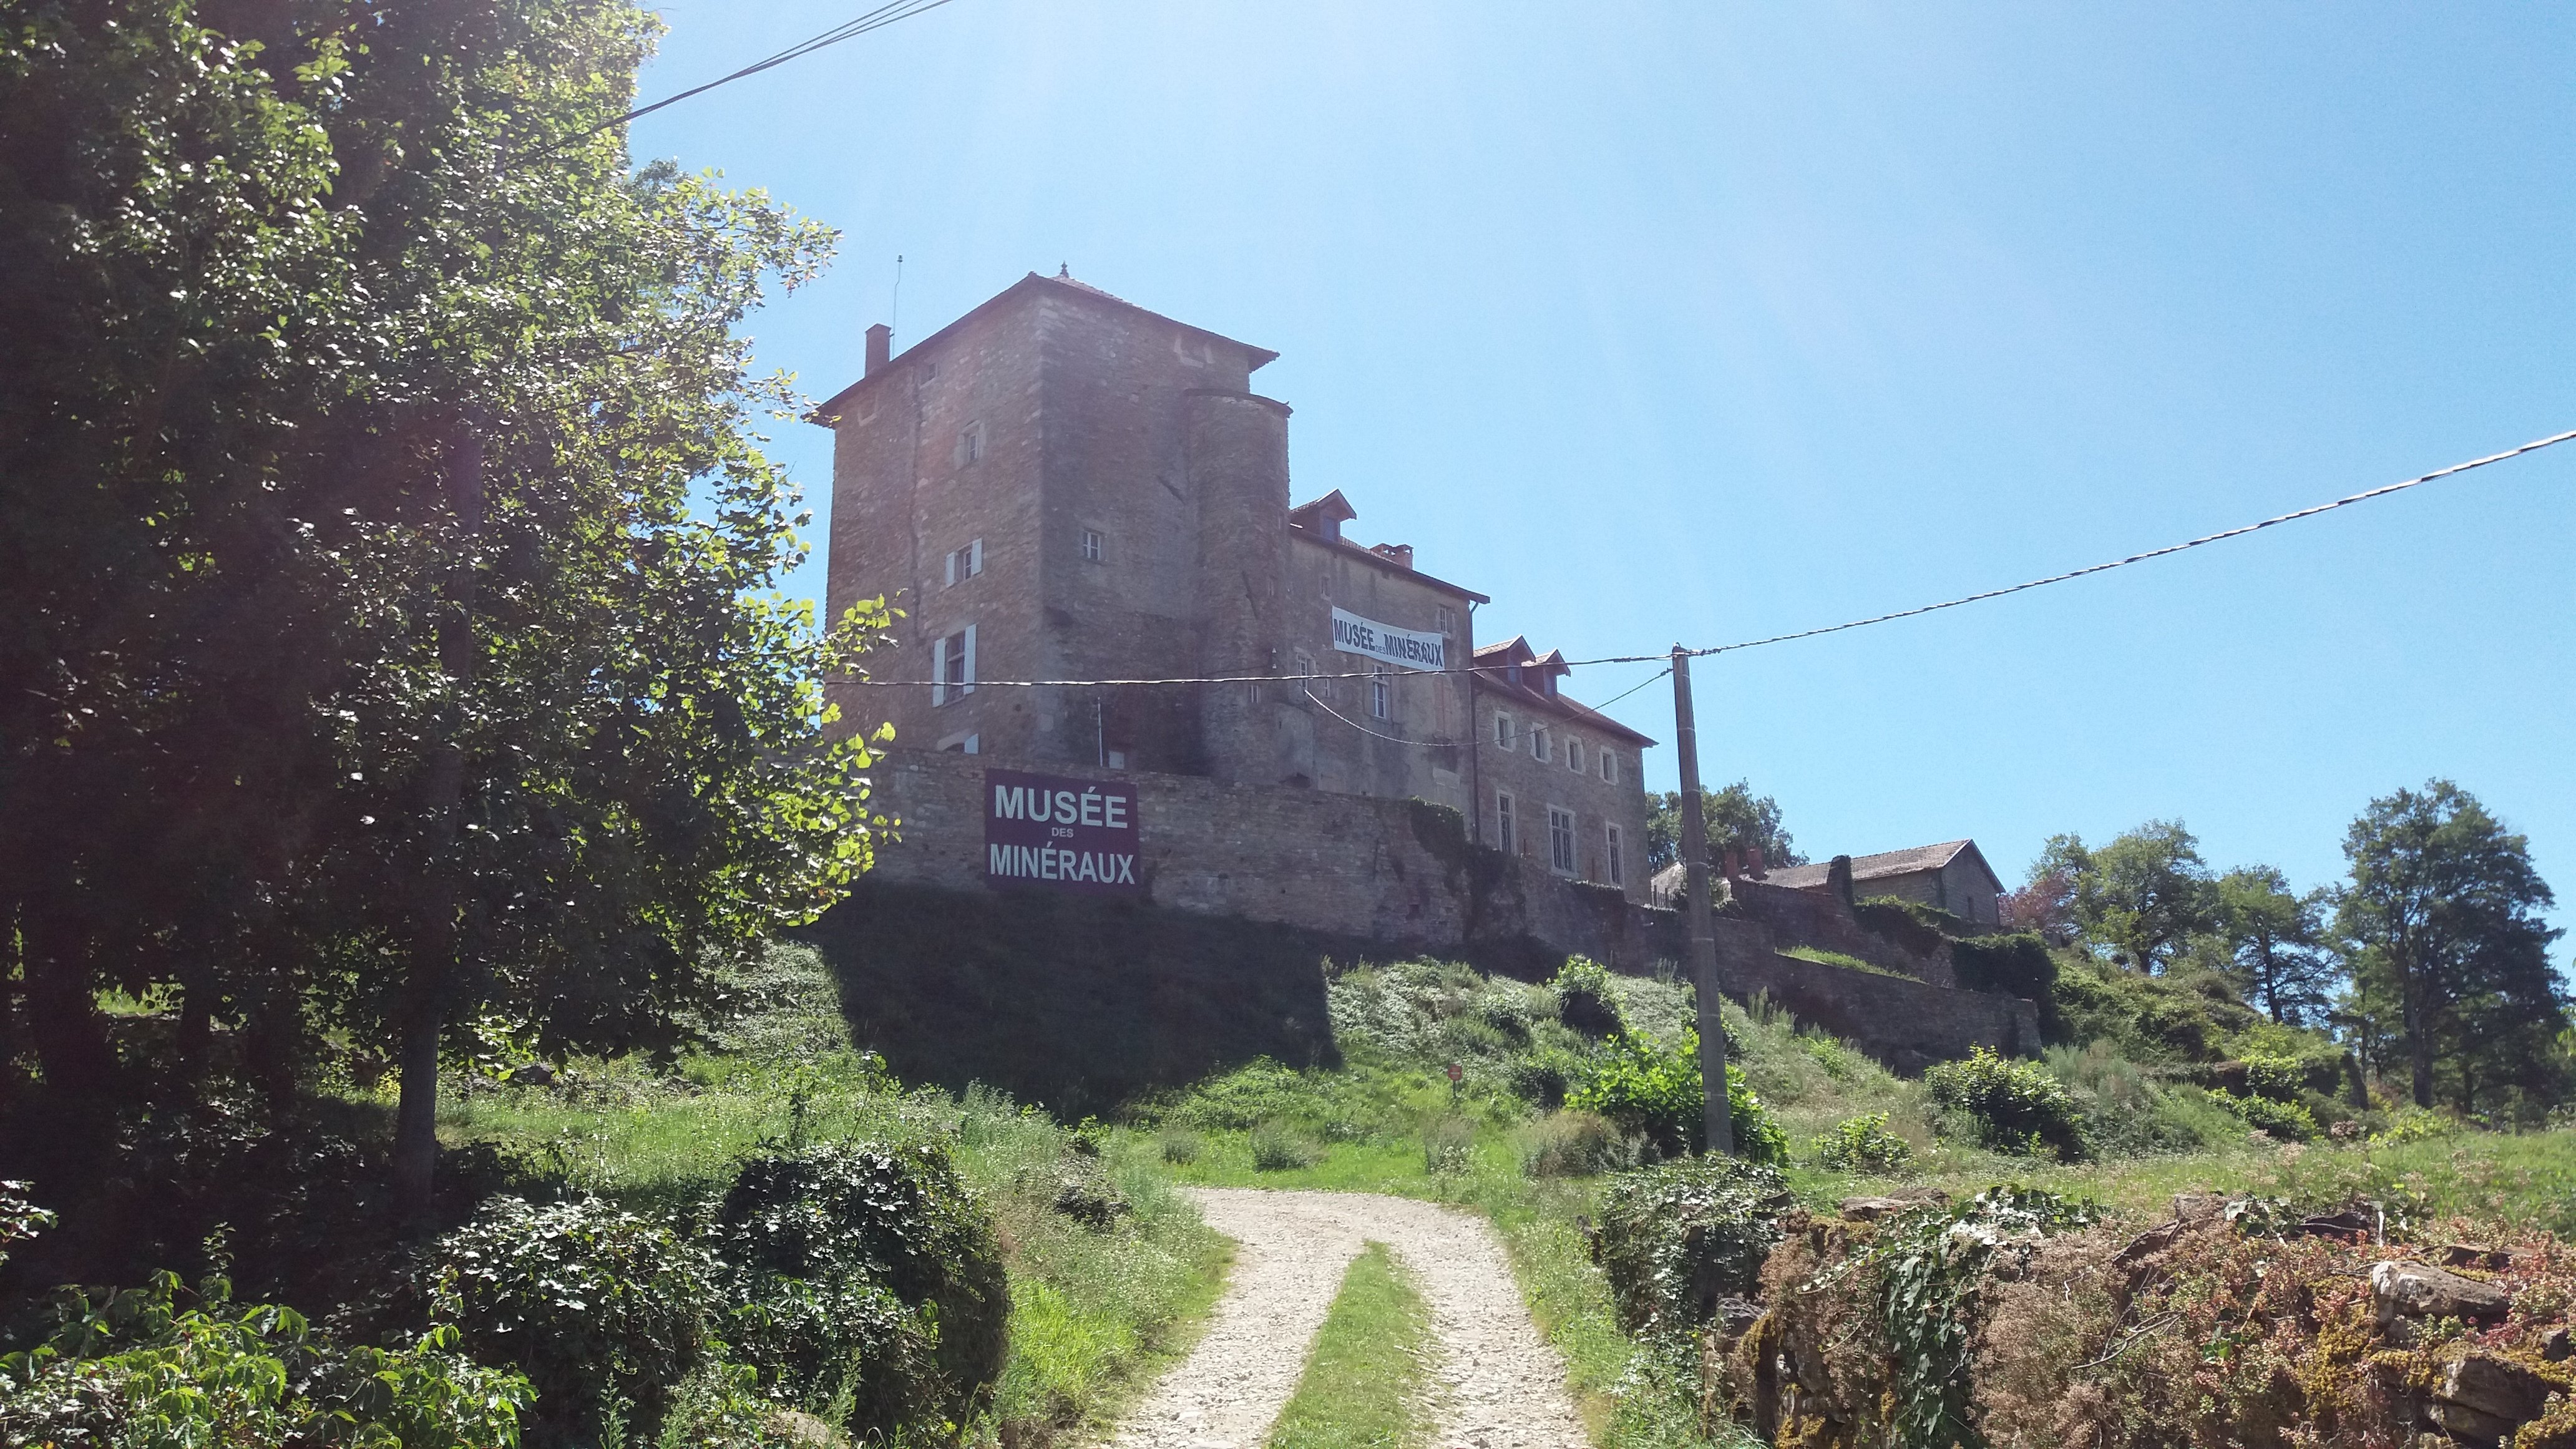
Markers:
<point>1695,898</point>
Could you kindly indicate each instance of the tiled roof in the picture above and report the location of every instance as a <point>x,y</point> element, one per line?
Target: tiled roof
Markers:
<point>1915,861</point>
<point>1493,659</point>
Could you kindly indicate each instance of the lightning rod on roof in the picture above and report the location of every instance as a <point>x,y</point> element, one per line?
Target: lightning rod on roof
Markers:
<point>894,311</point>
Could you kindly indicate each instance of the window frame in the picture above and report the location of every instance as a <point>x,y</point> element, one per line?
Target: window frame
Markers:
<point>1503,819</point>
<point>1538,744</point>
<point>944,689</point>
<point>1574,754</point>
<point>1618,876</point>
<point>1562,854</point>
<point>1609,769</point>
<point>965,562</point>
<point>1381,697</point>
<point>1095,546</point>
<point>1503,737</point>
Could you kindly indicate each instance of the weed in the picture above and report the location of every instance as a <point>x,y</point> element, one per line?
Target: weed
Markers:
<point>1864,1144</point>
<point>1276,1148</point>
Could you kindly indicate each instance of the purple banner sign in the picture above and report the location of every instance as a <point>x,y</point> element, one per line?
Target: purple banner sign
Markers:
<point>1068,835</point>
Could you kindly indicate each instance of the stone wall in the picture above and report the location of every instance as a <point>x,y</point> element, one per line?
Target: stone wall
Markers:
<point>1399,873</point>
<point>1906,1024</point>
<point>1823,920</point>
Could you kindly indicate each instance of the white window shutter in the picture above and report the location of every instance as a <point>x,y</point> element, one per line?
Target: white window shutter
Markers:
<point>966,677</point>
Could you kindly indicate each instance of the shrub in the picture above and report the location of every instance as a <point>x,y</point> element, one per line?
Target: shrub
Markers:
<point>868,1274</point>
<point>2127,1112</point>
<point>1584,1000</point>
<point>1180,1145</point>
<point>1242,1098</point>
<point>1276,1148</point>
<point>2287,1121</point>
<point>1448,1145</point>
<point>2411,1123</point>
<point>1572,1144</point>
<point>1543,1077</point>
<point>1864,1144</point>
<point>2014,965</point>
<point>1678,1236</point>
<point>1652,1091</point>
<point>602,1310</point>
<point>2015,1106</point>
<point>139,1369</point>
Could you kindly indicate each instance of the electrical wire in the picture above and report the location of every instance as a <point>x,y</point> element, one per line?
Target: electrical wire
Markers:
<point>1489,670</point>
<point>877,19</point>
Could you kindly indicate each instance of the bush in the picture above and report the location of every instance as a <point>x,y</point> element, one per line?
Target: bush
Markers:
<point>1448,1145</point>
<point>1652,1091</point>
<point>2287,1121</point>
<point>139,1369</point>
<point>1584,1000</point>
<point>1864,1144</point>
<point>2014,965</point>
<point>1180,1146</point>
<point>1677,1237</point>
<point>2127,1112</point>
<point>1276,1148</point>
<point>2014,1106</point>
<point>602,1310</point>
<point>1543,1077</point>
<point>867,1275</point>
<point>1572,1144</point>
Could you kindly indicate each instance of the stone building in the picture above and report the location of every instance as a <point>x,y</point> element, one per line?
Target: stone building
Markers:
<point>1952,876</point>
<point>1061,485</point>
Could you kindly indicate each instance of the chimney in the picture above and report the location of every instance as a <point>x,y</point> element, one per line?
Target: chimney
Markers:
<point>880,348</point>
<point>1401,553</point>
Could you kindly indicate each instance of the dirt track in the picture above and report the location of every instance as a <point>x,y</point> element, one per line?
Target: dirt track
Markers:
<point>1496,1383</point>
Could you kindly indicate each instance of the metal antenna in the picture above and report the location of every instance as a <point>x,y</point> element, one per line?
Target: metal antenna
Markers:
<point>894,314</point>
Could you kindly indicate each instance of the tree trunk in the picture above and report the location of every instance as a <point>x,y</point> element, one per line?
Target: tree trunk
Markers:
<point>415,1163</point>
<point>2419,1041</point>
<point>62,1013</point>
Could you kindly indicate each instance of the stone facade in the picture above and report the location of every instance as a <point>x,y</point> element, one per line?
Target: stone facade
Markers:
<point>1061,485</point>
<point>1952,876</point>
<point>1556,783</point>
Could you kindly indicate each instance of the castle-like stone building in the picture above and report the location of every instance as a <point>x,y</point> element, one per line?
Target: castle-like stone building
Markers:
<point>1063,486</point>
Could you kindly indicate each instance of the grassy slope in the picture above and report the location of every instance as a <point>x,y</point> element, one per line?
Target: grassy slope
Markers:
<point>1094,1314</point>
<point>1363,1384</point>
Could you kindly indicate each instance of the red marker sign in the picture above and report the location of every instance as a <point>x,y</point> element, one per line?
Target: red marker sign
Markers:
<point>1454,1072</point>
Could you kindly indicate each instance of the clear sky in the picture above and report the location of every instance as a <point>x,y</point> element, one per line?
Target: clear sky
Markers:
<point>1699,322</point>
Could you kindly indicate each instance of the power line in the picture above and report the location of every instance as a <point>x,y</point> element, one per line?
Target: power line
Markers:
<point>877,19</point>
<point>2347,501</point>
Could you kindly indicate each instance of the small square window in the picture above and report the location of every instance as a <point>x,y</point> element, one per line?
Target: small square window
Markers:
<point>1094,547</point>
<point>930,372</point>
<point>1116,759</point>
<point>965,563</point>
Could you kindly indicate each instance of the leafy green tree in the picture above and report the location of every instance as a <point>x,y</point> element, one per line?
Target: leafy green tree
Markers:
<point>1737,819</point>
<point>2277,940</point>
<point>2143,895</point>
<point>2444,916</point>
<point>387,543</point>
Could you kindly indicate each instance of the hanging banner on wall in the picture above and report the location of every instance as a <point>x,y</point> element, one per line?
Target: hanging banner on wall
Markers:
<point>1388,644</point>
<point>1059,833</point>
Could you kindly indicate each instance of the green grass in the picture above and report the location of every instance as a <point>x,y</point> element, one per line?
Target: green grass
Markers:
<point>1095,1314</point>
<point>1363,1384</point>
<point>1823,957</point>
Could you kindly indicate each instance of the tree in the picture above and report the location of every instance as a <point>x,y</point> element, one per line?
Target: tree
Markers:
<point>2046,901</point>
<point>2277,941</point>
<point>387,542</point>
<point>1737,819</point>
<point>2443,914</point>
<point>2143,894</point>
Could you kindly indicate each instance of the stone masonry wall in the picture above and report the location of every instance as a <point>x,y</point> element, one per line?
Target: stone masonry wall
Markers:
<point>1906,1024</point>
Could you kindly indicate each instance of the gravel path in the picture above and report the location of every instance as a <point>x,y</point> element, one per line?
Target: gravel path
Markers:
<point>1496,1383</point>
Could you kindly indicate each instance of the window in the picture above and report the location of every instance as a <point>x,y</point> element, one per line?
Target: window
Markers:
<point>1116,759</point>
<point>952,667</point>
<point>1503,730</point>
<point>1503,813</point>
<point>1618,875</point>
<point>1446,621</point>
<point>1093,547</point>
<point>965,563</point>
<point>1560,840</point>
<point>1538,743</point>
<point>1379,690</point>
<point>1574,756</point>
<point>1609,770</point>
<point>970,744</point>
<point>930,372</point>
<point>970,444</point>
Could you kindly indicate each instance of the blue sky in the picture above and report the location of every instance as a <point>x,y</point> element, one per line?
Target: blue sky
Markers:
<point>1709,322</point>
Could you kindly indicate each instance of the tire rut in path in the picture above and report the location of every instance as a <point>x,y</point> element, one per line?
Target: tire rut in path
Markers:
<point>1495,1383</point>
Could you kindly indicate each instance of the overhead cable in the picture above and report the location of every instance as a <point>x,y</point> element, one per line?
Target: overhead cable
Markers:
<point>877,19</point>
<point>1490,670</point>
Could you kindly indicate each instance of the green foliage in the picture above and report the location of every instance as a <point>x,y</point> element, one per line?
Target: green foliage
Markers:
<point>141,1371</point>
<point>1279,1148</point>
<point>2287,1121</point>
<point>2446,914</point>
<point>2142,895</point>
<point>1736,819</point>
<point>1584,1000</point>
<point>1678,1236</point>
<point>1864,1144</point>
<point>1179,1146</point>
<point>2128,1112</point>
<point>1646,1088</point>
<point>1572,1144</point>
<point>2018,964</point>
<point>1928,1262</point>
<point>2279,942</point>
<point>603,1310</point>
<point>868,1277</point>
<point>2015,1106</point>
<point>1448,1145</point>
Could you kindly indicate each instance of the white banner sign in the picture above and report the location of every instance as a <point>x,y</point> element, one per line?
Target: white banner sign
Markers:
<point>1384,642</point>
